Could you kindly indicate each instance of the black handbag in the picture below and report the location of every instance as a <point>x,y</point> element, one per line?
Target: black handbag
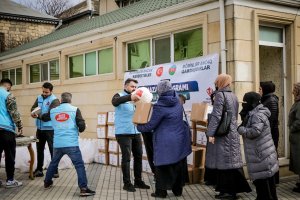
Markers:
<point>223,128</point>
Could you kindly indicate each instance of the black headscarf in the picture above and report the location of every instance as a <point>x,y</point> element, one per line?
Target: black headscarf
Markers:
<point>251,100</point>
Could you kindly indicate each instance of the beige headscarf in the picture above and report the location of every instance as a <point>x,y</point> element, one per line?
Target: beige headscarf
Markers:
<point>223,80</point>
<point>296,91</point>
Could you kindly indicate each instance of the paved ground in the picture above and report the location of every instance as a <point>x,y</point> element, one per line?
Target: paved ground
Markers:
<point>106,180</point>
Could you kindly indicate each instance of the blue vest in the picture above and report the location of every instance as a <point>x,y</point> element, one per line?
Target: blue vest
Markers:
<point>63,120</point>
<point>6,121</point>
<point>44,104</point>
<point>123,118</point>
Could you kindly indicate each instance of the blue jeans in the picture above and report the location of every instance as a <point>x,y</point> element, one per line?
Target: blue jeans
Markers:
<point>76,158</point>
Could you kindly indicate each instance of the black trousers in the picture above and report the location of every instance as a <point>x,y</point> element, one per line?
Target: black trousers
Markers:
<point>266,189</point>
<point>8,145</point>
<point>43,136</point>
<point>131,143</point>
<point>148,142</point>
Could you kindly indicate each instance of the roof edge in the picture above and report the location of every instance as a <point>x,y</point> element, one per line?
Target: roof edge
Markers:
<point>28,18</point>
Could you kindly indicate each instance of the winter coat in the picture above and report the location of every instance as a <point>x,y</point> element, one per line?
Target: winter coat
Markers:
<point>271,102</point>
<point>260,152</point>
<point>171,138</point>
<point>225,153</point>
<point>294,126</point>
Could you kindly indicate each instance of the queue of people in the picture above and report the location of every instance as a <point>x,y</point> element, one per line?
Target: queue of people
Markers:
<point>167,138</point>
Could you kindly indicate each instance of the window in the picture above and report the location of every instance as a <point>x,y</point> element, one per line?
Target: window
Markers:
<point>46,71</point>
<point>187,44</point>
<point>15,75</point>
<point>92,63</point>
<point>270,34</point>
<point>138,55</point>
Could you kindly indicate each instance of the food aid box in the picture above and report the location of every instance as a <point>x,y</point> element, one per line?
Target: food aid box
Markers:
<point>197,157</point>
<point>101,118</point>
<point>201,138</point>
<point>101,157</point>
<point>101,131</point>
<point>111,132</point>
<point>114,159</point>
<point>113,146</point>
<point>111,117</point>
<point>196,175</point>
<point>102,145</point>
<point>200,112</point>
<point>142,113</point>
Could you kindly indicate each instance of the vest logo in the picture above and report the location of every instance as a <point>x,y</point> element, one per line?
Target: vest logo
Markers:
<point>159,71</point>
<point>139,92</point>
<point>61,117</point>
<point>48,103</point>
<point>172,70</point>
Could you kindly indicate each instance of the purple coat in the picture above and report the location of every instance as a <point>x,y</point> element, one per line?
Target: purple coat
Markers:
<point>171,139</point>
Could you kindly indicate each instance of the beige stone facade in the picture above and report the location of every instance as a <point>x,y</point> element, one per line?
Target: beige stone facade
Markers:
<point>19,32</point>
<point>93,94</point>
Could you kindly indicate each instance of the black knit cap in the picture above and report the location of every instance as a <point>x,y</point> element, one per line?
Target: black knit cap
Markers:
<point>252,98</point>
<point>267,87</point>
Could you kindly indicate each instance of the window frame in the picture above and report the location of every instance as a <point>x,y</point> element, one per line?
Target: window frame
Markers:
<point>48,70</point>
<point>15,69</point>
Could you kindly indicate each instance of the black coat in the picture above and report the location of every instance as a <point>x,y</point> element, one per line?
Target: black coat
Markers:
<point>271,102</point>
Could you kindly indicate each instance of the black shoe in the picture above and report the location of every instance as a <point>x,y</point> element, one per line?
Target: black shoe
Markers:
<point>56,175</point>
<point>86,192</point>
<point>129,187</point>
<point>141,185</point>
<point>160,194</point>
<point>177,192</point>
<point>38,173</point>
<point>296,189</point>
<point>48,185</point>
<point>298,185</point>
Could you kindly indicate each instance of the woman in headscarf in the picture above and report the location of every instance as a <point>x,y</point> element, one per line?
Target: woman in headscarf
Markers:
<point>270,100</point>
<point>171,141</point>
<point>224,153</point>
<point>260,152</point>
<point>294,126</point>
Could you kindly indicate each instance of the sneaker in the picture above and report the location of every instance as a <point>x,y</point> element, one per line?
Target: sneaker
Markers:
<point>129,187</point>
<point>13,183</point>
<point>48,185</point>
<point>38,173</point>
<point>160,194</point>
<point>86,192</point>
<point>141,185</point>
<point>56,175</point>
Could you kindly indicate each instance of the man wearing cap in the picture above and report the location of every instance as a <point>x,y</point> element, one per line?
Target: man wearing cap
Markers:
<point>128,137</point>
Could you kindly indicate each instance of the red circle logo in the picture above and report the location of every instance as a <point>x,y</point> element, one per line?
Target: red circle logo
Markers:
<point>61,117</point>
<point>159,71</point>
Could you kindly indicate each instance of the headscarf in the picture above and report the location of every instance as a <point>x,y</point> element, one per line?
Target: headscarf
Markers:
<point>164,86</point>
<point>267,87</point>
<point>296,91</point>
<point>223,80</point>
<point>251,100</point>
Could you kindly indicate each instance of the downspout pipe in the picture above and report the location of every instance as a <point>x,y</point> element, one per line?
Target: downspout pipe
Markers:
<point>222,36</point>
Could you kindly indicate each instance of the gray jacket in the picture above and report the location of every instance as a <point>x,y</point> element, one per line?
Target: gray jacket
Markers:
<point>225,153</point>
<point>260,152</point>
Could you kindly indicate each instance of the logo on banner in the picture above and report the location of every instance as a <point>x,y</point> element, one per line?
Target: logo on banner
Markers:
<point>61,117</point>
<point>172,70</point>
<point>159,71</point>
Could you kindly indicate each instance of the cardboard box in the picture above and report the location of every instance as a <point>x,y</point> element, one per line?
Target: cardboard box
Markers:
<point>101,157</point>
<point>201,138</point>
<point>142,113</point>
<point>113,146</point>
<point>197,158</point>
<point>200,113</point>
<point>111,118</point>
<point>111,132</point>
<point>114,159</point>
<point>196,175</point>
<point>101,118</point>
<point>102,144</point>
<point>101,132</point>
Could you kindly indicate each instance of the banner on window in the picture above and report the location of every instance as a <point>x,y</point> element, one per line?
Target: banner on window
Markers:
<point>194,78</point>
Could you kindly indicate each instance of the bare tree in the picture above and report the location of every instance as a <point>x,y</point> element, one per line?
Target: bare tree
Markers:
<point>50,7</point>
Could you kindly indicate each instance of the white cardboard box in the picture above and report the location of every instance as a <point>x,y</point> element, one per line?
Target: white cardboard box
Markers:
<point>113,146</point>
<point>201,138</point>
<point>101,143</point>
<point>113,159</point>
<point>101,131</point>
<point>111,117</point>
<point>101,118</point>
<point>111,131</point>
<point>101,158</point>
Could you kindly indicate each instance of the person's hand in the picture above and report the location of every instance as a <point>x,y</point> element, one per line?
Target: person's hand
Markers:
<point>211,140</point>
<point>34,115</point>
<point>134,97</point>
<point>20,131</point>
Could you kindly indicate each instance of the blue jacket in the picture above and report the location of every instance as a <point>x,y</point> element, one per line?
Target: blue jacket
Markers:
<point>171,139</point>
<point>6,121</point>
<point>44,104</point>
<point>63,120</point>
<point>123,118</point>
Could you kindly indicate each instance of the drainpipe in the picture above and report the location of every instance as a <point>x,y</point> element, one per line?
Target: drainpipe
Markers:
<point>89,4</point>
<point>222,36</point>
